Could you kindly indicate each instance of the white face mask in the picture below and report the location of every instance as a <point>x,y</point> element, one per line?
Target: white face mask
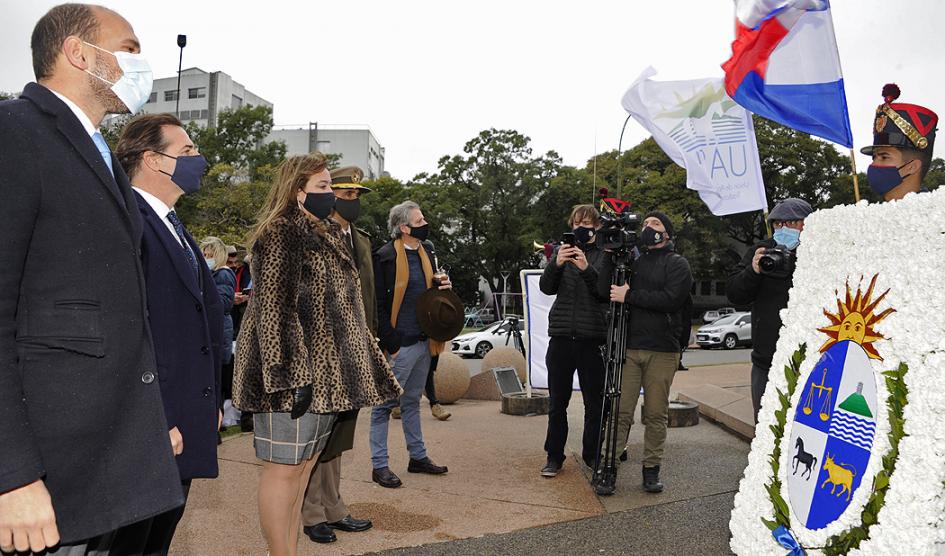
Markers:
<point>134,87</point>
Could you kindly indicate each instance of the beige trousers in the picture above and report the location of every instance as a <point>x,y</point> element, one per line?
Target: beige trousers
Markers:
<point>654,371</point>
<point>323,501</point>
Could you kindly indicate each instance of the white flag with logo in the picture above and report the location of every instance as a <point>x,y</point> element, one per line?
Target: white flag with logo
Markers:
<point>703,130</point>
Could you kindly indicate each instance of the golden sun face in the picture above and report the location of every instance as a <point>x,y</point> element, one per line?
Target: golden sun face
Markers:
<point>855,319</point>
<point>852,328</point>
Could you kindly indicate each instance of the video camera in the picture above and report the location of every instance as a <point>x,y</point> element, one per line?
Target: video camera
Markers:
<point>777,262</point>
<point>618,231</point>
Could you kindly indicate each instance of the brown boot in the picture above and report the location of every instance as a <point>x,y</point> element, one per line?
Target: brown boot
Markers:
<point>439,412</point>
<point>395,413</point>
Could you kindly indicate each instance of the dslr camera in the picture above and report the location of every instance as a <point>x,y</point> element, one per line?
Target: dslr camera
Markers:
<point>777,262</point>
<point>618,232</point>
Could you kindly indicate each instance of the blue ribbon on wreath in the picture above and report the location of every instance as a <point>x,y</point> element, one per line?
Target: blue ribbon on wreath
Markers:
<point>787,540</point>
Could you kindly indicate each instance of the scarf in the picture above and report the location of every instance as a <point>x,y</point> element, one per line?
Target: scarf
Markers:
<point>402,276</point>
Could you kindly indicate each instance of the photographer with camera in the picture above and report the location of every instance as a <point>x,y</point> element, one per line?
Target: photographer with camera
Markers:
<point>577,326</point>
<point>655,293</point>
<point>763,280</point>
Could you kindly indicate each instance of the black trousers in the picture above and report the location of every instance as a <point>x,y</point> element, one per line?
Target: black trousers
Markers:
<point>153,536</point>
<point>430,386</point>
<point>564,355</point>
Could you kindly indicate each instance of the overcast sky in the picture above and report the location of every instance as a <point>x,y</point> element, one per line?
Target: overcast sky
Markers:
<point>428,76</point>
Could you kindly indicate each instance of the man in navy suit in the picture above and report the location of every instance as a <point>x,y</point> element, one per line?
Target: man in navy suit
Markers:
<point>84,447</point>
<point>184,309</point>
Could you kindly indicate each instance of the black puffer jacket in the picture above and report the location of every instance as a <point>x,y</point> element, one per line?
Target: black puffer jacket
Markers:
<point>767,296</point>
<point>660,280</point>
<point>580,308</point>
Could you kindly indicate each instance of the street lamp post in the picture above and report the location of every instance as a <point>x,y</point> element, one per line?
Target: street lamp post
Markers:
<point>505,290</point>
<point>181,42</point>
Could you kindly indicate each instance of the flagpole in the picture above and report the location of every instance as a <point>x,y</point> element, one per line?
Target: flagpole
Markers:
<point>856,181</point>
<point>619,147</point>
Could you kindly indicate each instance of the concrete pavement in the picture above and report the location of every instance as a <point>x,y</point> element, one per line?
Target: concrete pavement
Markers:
<point>493,495</point>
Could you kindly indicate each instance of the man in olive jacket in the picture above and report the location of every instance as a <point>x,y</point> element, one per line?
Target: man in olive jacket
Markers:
<point>323,510</point>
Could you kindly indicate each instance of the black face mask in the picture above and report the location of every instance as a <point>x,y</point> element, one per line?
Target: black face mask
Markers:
<point>349,209</point>
<point>650,237</point>
<point>420,232</point>
<point>319,204</point>
<point>583,235</point>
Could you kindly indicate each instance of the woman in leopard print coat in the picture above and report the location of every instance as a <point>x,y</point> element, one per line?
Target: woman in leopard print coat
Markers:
<point>305,352</point>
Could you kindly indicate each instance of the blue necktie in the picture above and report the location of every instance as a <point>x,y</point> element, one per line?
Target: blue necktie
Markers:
<point>103,150</point>
<point>179,228</point>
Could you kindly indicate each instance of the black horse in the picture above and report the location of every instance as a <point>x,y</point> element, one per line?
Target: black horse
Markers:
<point>801,456</point>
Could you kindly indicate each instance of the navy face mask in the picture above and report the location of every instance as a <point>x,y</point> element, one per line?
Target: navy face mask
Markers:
<point>187,172</point>
<point>319,204</point>
<point>883,178</point>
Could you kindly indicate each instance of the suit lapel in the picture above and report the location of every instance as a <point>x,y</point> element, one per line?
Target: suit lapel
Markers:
<point>72,129</point>
<point>173,249</point>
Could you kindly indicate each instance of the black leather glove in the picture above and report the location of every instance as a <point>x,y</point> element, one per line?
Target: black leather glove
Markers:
<point>301,401</point>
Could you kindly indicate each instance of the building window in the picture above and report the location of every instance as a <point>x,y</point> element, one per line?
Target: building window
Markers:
<point>204,114</point>
<point>184,115</point>
<point>197,92</point>
<point>720,288</point>
<point>705,287</point>
<point>170,95</point>
<point>152,98</point>
<point>236,103</point>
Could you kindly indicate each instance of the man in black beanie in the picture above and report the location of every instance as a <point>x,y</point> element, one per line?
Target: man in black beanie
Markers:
<point>656,292</point>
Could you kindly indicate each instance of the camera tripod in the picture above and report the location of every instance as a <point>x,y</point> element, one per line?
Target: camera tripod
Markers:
<point>605,467</point>
<point>513,334</point>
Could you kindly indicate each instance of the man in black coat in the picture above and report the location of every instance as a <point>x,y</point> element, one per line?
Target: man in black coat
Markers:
<point>184,309</point>
<point>767,294</point>
<point>577,327</point>
<point>656,292</point>
<point>82,429</point>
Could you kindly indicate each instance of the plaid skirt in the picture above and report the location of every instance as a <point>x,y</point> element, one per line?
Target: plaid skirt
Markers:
<point>280,439</point>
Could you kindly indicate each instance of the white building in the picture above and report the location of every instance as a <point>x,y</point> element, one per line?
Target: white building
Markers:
<point>357,145</point>
<point>203,96</point>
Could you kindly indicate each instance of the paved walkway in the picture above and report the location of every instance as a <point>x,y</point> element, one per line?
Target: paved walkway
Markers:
<point>493,495</point>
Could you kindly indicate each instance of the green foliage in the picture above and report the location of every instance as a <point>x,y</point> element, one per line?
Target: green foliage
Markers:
<point>896,402</point>
<point>6,96</point>
<point>241,171</point>
<point>782,515</point>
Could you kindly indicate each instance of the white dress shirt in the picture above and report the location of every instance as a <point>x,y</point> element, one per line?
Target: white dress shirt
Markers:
<point>79,113</point>
<point>162,211</point>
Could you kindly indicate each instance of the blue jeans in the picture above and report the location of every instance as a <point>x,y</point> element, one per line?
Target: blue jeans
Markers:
<point>410,368</point>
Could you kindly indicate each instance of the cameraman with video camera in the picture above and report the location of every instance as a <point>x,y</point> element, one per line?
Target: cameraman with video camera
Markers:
<point>656,292</point>
<point>763,280</point>
<point>577,326</point>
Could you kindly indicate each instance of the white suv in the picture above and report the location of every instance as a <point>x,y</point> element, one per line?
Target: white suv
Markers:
<point>729,332</point>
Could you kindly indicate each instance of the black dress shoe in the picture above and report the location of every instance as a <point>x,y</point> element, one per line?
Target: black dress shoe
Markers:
<point>351,525</point>
<point>425,465</point>
<point>320,532</point>
<point>385,477</point>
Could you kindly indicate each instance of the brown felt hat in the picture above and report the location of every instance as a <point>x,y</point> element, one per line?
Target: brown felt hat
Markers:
<point>440,314</point>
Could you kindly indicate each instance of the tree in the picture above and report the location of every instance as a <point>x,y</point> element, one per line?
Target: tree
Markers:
<point>480,205</point>
<point>240,175</point>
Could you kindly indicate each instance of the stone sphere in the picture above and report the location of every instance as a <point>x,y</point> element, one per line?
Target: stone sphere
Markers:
<point>451,378</point>
<point>505,356</point>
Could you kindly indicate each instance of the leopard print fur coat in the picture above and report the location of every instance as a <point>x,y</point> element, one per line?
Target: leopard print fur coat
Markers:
<point>305,324</point>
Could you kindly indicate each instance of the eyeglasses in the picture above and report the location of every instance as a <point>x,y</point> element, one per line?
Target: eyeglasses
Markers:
<point>778,224</point>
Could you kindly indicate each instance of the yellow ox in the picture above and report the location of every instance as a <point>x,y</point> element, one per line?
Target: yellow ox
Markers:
<point>839,475</point>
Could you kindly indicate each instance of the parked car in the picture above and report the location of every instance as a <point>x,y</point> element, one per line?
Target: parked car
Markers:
<point>729,332</point>
<point>478,344</point>
<point>712,316</point>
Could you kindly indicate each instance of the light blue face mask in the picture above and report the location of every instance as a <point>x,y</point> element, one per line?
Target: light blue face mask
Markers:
<point>211,263</point>
<point>788,237</point>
